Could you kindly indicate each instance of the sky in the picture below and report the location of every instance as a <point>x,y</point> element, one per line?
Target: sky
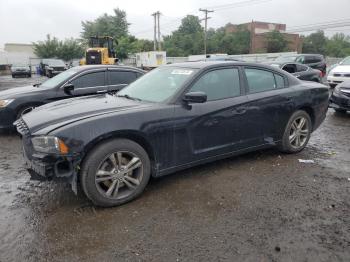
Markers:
<point>26,21</point>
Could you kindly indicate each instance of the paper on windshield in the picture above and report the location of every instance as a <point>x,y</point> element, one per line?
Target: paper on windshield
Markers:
<point>181,72</point>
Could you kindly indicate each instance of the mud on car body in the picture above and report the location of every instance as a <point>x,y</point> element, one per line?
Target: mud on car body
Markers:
<point>175,117</point>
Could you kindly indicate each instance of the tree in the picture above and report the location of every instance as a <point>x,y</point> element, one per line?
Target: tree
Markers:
<point>47,48</point>
<point>53,48</point>
<point>187,40</point>
<point>315,43</point>
<point>338,45</point>
<point>276,42</point>
<point>115,26</point>
<point>70,49</point>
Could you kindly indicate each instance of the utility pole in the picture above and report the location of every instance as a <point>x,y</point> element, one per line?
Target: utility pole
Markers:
<point>159,43</point>
<point>155,32</point>
<point>206,11</point>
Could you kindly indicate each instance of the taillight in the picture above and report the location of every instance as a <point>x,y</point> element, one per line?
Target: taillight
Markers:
<point>322,74</point>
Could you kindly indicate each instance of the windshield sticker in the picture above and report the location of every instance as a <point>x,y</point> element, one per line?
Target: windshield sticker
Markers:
<point>181,72</point>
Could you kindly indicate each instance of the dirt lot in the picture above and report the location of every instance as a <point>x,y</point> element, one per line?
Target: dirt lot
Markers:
<point>263,206</point>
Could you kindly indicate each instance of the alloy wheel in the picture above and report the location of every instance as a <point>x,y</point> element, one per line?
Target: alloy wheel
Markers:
<point>119,175</point>
<point>299,132</point>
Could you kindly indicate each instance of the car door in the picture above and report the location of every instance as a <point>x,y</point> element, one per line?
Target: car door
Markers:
<point>269,104</point>
<point>118,79</point>
<point>212,128</point>
<point>89,83</point>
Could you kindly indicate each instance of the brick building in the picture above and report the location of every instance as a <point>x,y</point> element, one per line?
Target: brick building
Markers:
<point>258,32</point>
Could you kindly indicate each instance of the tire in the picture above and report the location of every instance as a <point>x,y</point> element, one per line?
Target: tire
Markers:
<point>340,111</point>
<point>115,188</point>
<point>290,145</point>
<point>24,110</point>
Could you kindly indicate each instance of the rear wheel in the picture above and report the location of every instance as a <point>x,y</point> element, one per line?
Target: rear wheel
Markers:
<point>115,172</point>
<point>297,132</point>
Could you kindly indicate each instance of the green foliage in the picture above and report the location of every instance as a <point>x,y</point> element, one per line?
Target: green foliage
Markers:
<point>187,40</point>
<point>315,43</point>
<point>338,46</point>
<point>130,45</point>
<point>47,48</point>
<point>276,42</point>
<point>115,26</point>
<point>53,48</point>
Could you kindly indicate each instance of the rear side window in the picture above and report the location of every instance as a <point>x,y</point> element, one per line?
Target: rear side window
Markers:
<point>90,80</point>
<point>279,81</point>
<point>121,77</point>
<point>262,80</point>
<point>219,84</point>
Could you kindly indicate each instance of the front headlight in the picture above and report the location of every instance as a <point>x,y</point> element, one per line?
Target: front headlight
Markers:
<point>49,144</point>
<point>5,102</point>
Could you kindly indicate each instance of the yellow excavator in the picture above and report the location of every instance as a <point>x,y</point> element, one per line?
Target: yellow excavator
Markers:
<point>100,52</point>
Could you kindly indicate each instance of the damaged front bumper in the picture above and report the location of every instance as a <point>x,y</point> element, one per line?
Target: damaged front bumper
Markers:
<point>52,167</point>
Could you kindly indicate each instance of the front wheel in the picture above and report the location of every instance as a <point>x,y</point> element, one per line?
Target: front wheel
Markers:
<point>115,172</point>
<point>297,132</point>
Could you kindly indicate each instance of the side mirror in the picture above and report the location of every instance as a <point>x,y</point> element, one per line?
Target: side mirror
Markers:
<point>195,97</point>
<point>68,88</point>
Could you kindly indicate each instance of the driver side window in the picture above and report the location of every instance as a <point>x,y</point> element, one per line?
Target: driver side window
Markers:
<point>93,79</point>
<point>219,84</point>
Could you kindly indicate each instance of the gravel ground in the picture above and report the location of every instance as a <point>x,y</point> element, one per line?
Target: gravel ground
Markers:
<point>262,206</point>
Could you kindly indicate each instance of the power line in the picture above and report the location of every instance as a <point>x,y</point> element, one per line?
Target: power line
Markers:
<point>213,8</point>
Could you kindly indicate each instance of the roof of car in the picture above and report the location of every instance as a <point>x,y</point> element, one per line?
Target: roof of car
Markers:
<point>209,64</point>
<point>85,67</point>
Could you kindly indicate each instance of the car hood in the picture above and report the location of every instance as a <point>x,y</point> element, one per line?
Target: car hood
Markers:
<point>18,91</point>
<point>341,69</point>
<point>57,114</point>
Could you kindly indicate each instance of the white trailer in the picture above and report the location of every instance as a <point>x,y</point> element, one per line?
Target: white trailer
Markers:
<point>150,59</point>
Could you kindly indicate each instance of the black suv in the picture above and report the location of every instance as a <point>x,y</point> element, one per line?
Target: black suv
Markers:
<point>52,67</point>
<point>314,61</point>
<point>77,81</point>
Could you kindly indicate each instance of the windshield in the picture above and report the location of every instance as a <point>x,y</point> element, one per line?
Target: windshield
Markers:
<point>159,84</point>
<point>54,62</point>
<point>346,61</point>
<point>286,59</point>
<point>64,76</point>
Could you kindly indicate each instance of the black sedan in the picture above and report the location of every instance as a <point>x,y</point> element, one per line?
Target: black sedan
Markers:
<point>175,117</point>
<point>300,71</point>
<point>77,81</point>
<point>340,99</point>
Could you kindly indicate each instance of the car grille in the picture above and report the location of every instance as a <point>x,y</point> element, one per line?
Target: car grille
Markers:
<point>93,58</point>
<point>58,68</point>
<point>22,127</point>
<point>341,75</point>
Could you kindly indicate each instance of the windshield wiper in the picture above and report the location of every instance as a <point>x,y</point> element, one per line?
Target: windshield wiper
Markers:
<point>129,97</point>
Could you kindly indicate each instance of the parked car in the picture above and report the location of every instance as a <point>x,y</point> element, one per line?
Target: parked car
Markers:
<point>339,73</point>
<point>300,71</point>
<point>340,98</point>
<point>52,67</point>
<point>77,81</point>
<point>314,61</point>
<point>172,118</point>
<point>21,70</point>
